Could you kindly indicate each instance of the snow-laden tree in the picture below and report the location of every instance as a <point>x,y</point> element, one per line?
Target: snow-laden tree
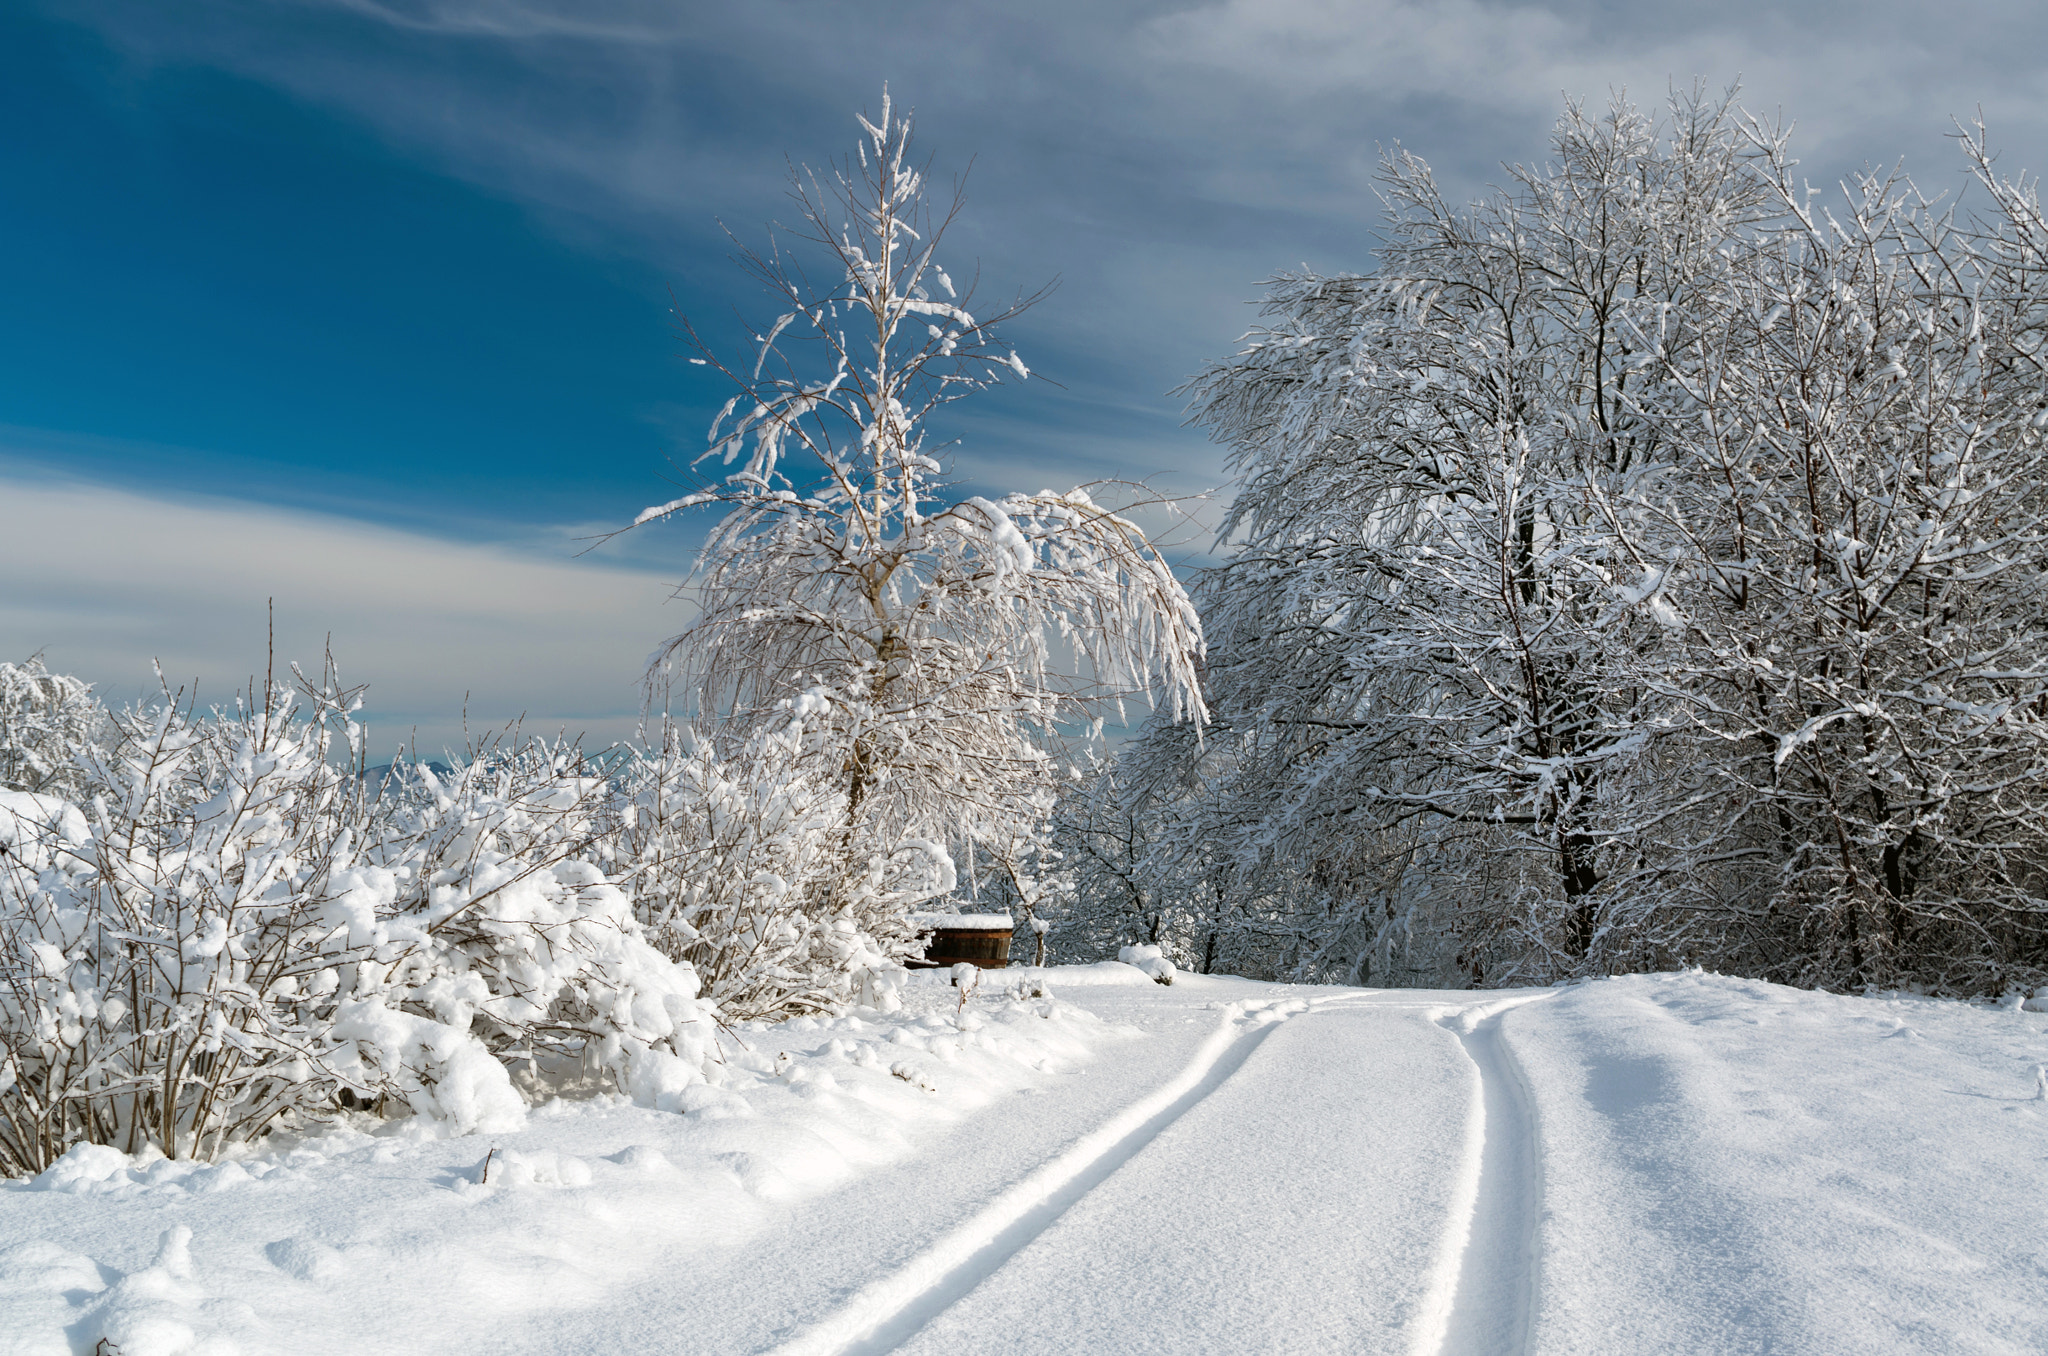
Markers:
<point>1174,861</point>
<point>1126,886</point>
<point>1104,834</point>
<point>1423,631</point>
<point>1855,498</point>
<point>1639,566</point>
<point>955,643</point>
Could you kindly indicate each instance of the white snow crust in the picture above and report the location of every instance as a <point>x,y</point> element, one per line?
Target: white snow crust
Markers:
<point>976,922</point>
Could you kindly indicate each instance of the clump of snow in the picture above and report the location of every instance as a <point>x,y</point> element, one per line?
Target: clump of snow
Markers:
<point>1151,960</point>
<point>84,1168</point>
<point>537,1167</point>
<point>40,831</point>
<point>444,1073</point>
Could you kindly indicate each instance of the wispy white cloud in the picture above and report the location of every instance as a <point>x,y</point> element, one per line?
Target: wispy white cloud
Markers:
<point>1240,133</point>
<point>1863,80</point>
<point>605,20</point>
<point>105,581</point>
<point>1164,156</point>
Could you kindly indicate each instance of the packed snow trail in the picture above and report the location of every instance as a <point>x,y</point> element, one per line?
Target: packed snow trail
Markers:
<point>886,1313</point>
<point>1491,1305</point>
<point>1303,1205</point>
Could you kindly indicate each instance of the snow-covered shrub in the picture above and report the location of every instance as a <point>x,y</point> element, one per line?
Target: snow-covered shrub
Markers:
<point>481,910</point>
<point>45,720</point>
<point>746,868</point>
<point>161,951</point>
<point>234,934</point>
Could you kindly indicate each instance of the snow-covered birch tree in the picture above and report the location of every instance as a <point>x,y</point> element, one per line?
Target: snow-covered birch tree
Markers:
<point>956,643</point>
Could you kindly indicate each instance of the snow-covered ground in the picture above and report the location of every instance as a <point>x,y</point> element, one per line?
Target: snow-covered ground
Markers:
<point>1668,1163</point>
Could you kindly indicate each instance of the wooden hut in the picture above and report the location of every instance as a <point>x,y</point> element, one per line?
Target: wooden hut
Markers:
<point>981,939</point>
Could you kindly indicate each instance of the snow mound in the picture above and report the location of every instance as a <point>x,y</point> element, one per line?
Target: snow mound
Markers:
<point>1151,961</point>
<point>164,1310</point>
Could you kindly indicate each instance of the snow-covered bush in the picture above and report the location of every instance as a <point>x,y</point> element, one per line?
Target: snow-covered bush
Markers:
<point>744,867</point>
<point>234,934</point>
<point>45,720</point>
<point>482,906</point>
<point>161,951</point>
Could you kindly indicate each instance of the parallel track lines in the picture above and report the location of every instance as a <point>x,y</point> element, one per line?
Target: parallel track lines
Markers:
<point>887,1312</point>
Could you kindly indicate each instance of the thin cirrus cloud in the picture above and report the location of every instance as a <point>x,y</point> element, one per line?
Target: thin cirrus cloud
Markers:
<point>105,581</point>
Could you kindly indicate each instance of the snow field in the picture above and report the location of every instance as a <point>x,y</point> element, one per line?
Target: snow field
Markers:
<point>1662,1163</point>
<point>592,1201</point>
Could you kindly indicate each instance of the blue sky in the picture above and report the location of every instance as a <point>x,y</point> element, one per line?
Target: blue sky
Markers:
<point>363,304</point>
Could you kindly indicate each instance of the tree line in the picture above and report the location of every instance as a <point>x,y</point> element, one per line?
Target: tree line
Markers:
<point>1642,566</point>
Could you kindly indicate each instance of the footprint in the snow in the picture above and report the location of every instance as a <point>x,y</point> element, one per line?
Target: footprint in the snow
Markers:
<point>42,1266</point>
<point>305,1258</point>
<point>644,1159</point>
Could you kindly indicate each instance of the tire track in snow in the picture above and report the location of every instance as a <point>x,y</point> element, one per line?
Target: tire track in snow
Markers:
<point>886,1313</point>
<point>1483,1297</point>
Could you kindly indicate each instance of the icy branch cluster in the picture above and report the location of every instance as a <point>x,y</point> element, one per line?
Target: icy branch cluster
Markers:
<point>44,716</point>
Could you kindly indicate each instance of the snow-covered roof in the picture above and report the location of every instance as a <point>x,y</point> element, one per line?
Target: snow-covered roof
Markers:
<point>964,922</point>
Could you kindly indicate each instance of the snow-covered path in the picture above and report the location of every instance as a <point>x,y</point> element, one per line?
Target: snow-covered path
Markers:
<point>1674,1163</point>
<point>1666,1163</point>
<point>1341,1126</point>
